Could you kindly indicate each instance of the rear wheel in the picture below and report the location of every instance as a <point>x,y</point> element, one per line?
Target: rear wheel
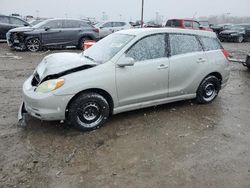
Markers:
<point>81,43</point>
<point>208,90</point>
<point>33,45</point>
<point>88,111</point>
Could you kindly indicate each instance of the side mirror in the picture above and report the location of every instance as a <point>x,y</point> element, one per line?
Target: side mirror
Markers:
<point>46,28</point>
<point>26,24</point>
<point>126,61</point>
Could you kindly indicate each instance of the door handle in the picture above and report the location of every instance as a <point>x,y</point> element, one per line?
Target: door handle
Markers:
<point>162,66</point>
<point>201,60</point>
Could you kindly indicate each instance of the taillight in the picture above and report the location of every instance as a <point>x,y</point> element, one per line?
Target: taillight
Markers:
<point>96,30</point>
<point>226,53</point>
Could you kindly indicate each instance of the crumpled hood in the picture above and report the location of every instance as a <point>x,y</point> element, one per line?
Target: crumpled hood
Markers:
<point>60,62</point>
<point>21,29</point>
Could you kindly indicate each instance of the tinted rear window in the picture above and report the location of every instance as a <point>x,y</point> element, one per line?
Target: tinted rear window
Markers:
<point>173,23</point>
<point>183,44</point>
<point>210,43</point>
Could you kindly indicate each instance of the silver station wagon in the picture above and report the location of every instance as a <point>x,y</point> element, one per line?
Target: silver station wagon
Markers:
<point>128,70</point>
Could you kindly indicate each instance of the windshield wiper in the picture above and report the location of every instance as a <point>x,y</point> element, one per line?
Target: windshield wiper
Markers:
<point>90,58</point>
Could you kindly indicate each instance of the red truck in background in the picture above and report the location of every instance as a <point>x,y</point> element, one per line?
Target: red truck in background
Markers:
<point>186,24</point>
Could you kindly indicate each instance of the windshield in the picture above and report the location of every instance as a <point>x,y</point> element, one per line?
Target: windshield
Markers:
<point>108,47</point>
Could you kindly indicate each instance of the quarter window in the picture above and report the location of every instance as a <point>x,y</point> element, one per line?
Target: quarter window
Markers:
<point>152,47</point>
<point>183,44</point>
<point>210,43</point>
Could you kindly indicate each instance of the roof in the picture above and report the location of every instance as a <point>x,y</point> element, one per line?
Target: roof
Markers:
<point>146,31</point>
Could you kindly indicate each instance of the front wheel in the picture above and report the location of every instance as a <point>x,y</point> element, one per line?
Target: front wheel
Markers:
<point>88,111</point>
<point>208,90</point>
<point>240,39</point>
<point>33,45</point>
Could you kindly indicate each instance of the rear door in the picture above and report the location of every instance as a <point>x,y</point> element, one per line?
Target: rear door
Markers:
<point>187,63</point>
<point>71,31</point>
<point>147,79</point>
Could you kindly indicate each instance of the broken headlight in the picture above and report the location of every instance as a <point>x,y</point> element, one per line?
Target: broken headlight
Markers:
<point>50,85</point>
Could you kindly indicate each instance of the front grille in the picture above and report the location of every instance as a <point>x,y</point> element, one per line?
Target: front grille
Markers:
<point>36,79</point>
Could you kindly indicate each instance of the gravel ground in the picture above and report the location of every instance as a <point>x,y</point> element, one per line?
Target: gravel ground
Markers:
<point>174,145</point>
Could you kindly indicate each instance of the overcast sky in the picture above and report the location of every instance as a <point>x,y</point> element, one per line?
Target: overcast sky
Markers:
<point>125,9</point>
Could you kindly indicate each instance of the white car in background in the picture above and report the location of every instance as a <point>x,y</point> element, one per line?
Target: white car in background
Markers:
<point>108,27</point>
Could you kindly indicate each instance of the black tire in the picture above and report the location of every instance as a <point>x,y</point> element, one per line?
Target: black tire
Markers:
<point>88,111</point>
<point>208,90</point>
<point>240,39</point>
<point>33,45</point>
<point>81,43</point>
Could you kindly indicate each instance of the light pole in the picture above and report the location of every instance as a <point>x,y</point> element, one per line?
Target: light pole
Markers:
<point>142,12</point>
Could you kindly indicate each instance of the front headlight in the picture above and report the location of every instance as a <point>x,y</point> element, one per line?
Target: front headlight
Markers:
<point>50,85</point>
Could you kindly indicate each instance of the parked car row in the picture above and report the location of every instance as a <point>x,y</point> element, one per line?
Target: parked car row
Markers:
<point>61,33</point>
<point>236,33</point>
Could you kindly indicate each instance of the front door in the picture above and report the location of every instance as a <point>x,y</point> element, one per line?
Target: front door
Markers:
<point>52,33</point>
<point>147,79</point>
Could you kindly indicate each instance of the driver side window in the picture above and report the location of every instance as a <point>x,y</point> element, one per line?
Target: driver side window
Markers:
<point>151,47</point>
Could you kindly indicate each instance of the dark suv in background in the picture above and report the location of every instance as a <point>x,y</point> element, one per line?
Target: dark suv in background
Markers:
<point>10,22</point>
<point>236,33</point>
<point>52,33</point>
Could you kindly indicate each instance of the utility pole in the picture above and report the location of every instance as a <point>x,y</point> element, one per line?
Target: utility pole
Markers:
<point>142,12</point>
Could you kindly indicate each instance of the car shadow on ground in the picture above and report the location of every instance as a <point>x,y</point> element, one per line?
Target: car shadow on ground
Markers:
<point>56,127</point>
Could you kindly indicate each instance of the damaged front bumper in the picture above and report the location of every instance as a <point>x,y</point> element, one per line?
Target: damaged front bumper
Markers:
<point>15,42</point>
<point>22,116</point>
<point>43,106</point>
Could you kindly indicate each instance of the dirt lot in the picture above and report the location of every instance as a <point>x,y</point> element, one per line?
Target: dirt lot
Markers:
<point>174,145</point>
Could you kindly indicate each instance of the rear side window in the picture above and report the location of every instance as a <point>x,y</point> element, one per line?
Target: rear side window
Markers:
<point>75,24</point>
<point>173,23</point>
<point>108,24</point>
<point>151,47</point>
<point>4,19</point>
<point>183,44</point>
<point>210,43</point>
<point>118,24</point>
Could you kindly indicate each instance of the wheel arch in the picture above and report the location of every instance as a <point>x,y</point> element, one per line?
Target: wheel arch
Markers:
<point>101,92</point>
<point>216,74</point>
